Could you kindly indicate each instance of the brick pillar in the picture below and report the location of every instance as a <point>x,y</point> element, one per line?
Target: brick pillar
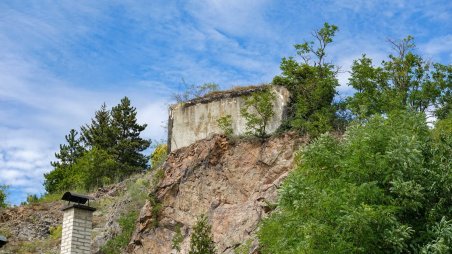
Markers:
<point>77,227</point>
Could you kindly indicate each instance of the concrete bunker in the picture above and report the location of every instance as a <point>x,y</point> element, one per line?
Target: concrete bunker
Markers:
<point>196,119</point>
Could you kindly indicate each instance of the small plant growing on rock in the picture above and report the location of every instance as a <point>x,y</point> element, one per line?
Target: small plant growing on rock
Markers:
<point>118,243</point>
<point>225,124</point>
<point>156,208</point>
<point>56,232</point>
<point>244,248</point>
<point>257,111</point>
<point>177,239</point>
<point>201,239</point>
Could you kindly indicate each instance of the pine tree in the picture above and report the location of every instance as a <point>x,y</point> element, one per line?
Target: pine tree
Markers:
<point>58,178</point>
<point>201,239</point>
<point>69,152</point>
<point>129,145</point>
<point>100,133</point>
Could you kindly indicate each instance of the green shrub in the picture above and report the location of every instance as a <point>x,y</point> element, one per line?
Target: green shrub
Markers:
<point>156,209</point>
<point>244,248</point>
<point>177,239</point>
<point>383,188</point>
<point>56,232</point>
<point>258,111</point>
<point>118,243</point>
<point>225,124</point>
<point>159,155</point>
<point>201,239</point>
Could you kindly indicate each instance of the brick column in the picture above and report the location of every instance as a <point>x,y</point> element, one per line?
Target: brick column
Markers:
<point>77,227</point>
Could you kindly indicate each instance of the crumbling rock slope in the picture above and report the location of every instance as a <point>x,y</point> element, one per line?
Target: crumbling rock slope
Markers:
<point>234,184</point>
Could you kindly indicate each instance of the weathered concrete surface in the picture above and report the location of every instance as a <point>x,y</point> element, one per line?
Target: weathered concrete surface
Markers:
<point>197,120</point>
<point>234,184</point>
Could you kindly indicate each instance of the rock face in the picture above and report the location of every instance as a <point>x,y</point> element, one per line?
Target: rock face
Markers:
<point>29,223</point>
<point>233,184</point>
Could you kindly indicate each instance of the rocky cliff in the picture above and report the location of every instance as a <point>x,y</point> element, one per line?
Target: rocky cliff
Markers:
<point>233,183</point>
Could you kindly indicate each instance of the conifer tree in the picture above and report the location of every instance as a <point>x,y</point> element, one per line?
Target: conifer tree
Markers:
<point>129,145</point>
<point>99,133</point>
<point>69,152</point>
<point>201,239</point>
<point>58,179</point>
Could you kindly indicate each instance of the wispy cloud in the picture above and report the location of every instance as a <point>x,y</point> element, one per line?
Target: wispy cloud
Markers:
<point>59,61</point>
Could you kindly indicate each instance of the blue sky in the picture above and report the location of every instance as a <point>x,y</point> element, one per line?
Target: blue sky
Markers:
<point>60,60</point>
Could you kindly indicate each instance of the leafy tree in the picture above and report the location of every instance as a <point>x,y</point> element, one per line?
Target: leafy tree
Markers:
<point>312,84</point>
<point>56,180</point>
<point>201,239</point>
<point>3,192</point>
<point>129,145</point>
<point>404,81</point>
<point>383,188</point>
<point>258,111</point>
<point>95,168</point>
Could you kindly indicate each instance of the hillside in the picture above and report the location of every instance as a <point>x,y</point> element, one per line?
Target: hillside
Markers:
<point>233,182</point>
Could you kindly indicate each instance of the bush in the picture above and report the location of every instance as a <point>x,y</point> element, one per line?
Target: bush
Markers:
<point>118,243</point>
<point>225,124</point>
<point>159,155</point>
<point>383,188</point>
<point>177,239</point>
<point>56,232</point>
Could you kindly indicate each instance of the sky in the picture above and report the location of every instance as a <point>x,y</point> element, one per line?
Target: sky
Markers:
<point>60,60</point>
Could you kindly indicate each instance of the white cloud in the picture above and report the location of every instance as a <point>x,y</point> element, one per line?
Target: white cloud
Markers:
<point>438,47</point>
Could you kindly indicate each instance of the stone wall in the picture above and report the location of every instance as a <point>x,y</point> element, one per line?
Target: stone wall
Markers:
<point>197,119</point>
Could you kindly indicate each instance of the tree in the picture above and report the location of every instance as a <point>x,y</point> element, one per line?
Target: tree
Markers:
<point>3,194</point>
<point>96,168</point>
<point>312,84</point>
<point>67,156</point>
<point>404,81</point>
<point>108,150</point>
<point>201,239</point>
<point>69,152</point>
<point>128,143</point>
<point>258,111</point>
<point>383,188</point>
<point>100,133</point>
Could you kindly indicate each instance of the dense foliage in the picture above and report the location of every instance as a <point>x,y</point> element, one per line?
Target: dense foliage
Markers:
<point>311,83</point>
<point>385,187</point>
<point>107,150</point>
<point>404,81</point>
<point>201,239</point>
